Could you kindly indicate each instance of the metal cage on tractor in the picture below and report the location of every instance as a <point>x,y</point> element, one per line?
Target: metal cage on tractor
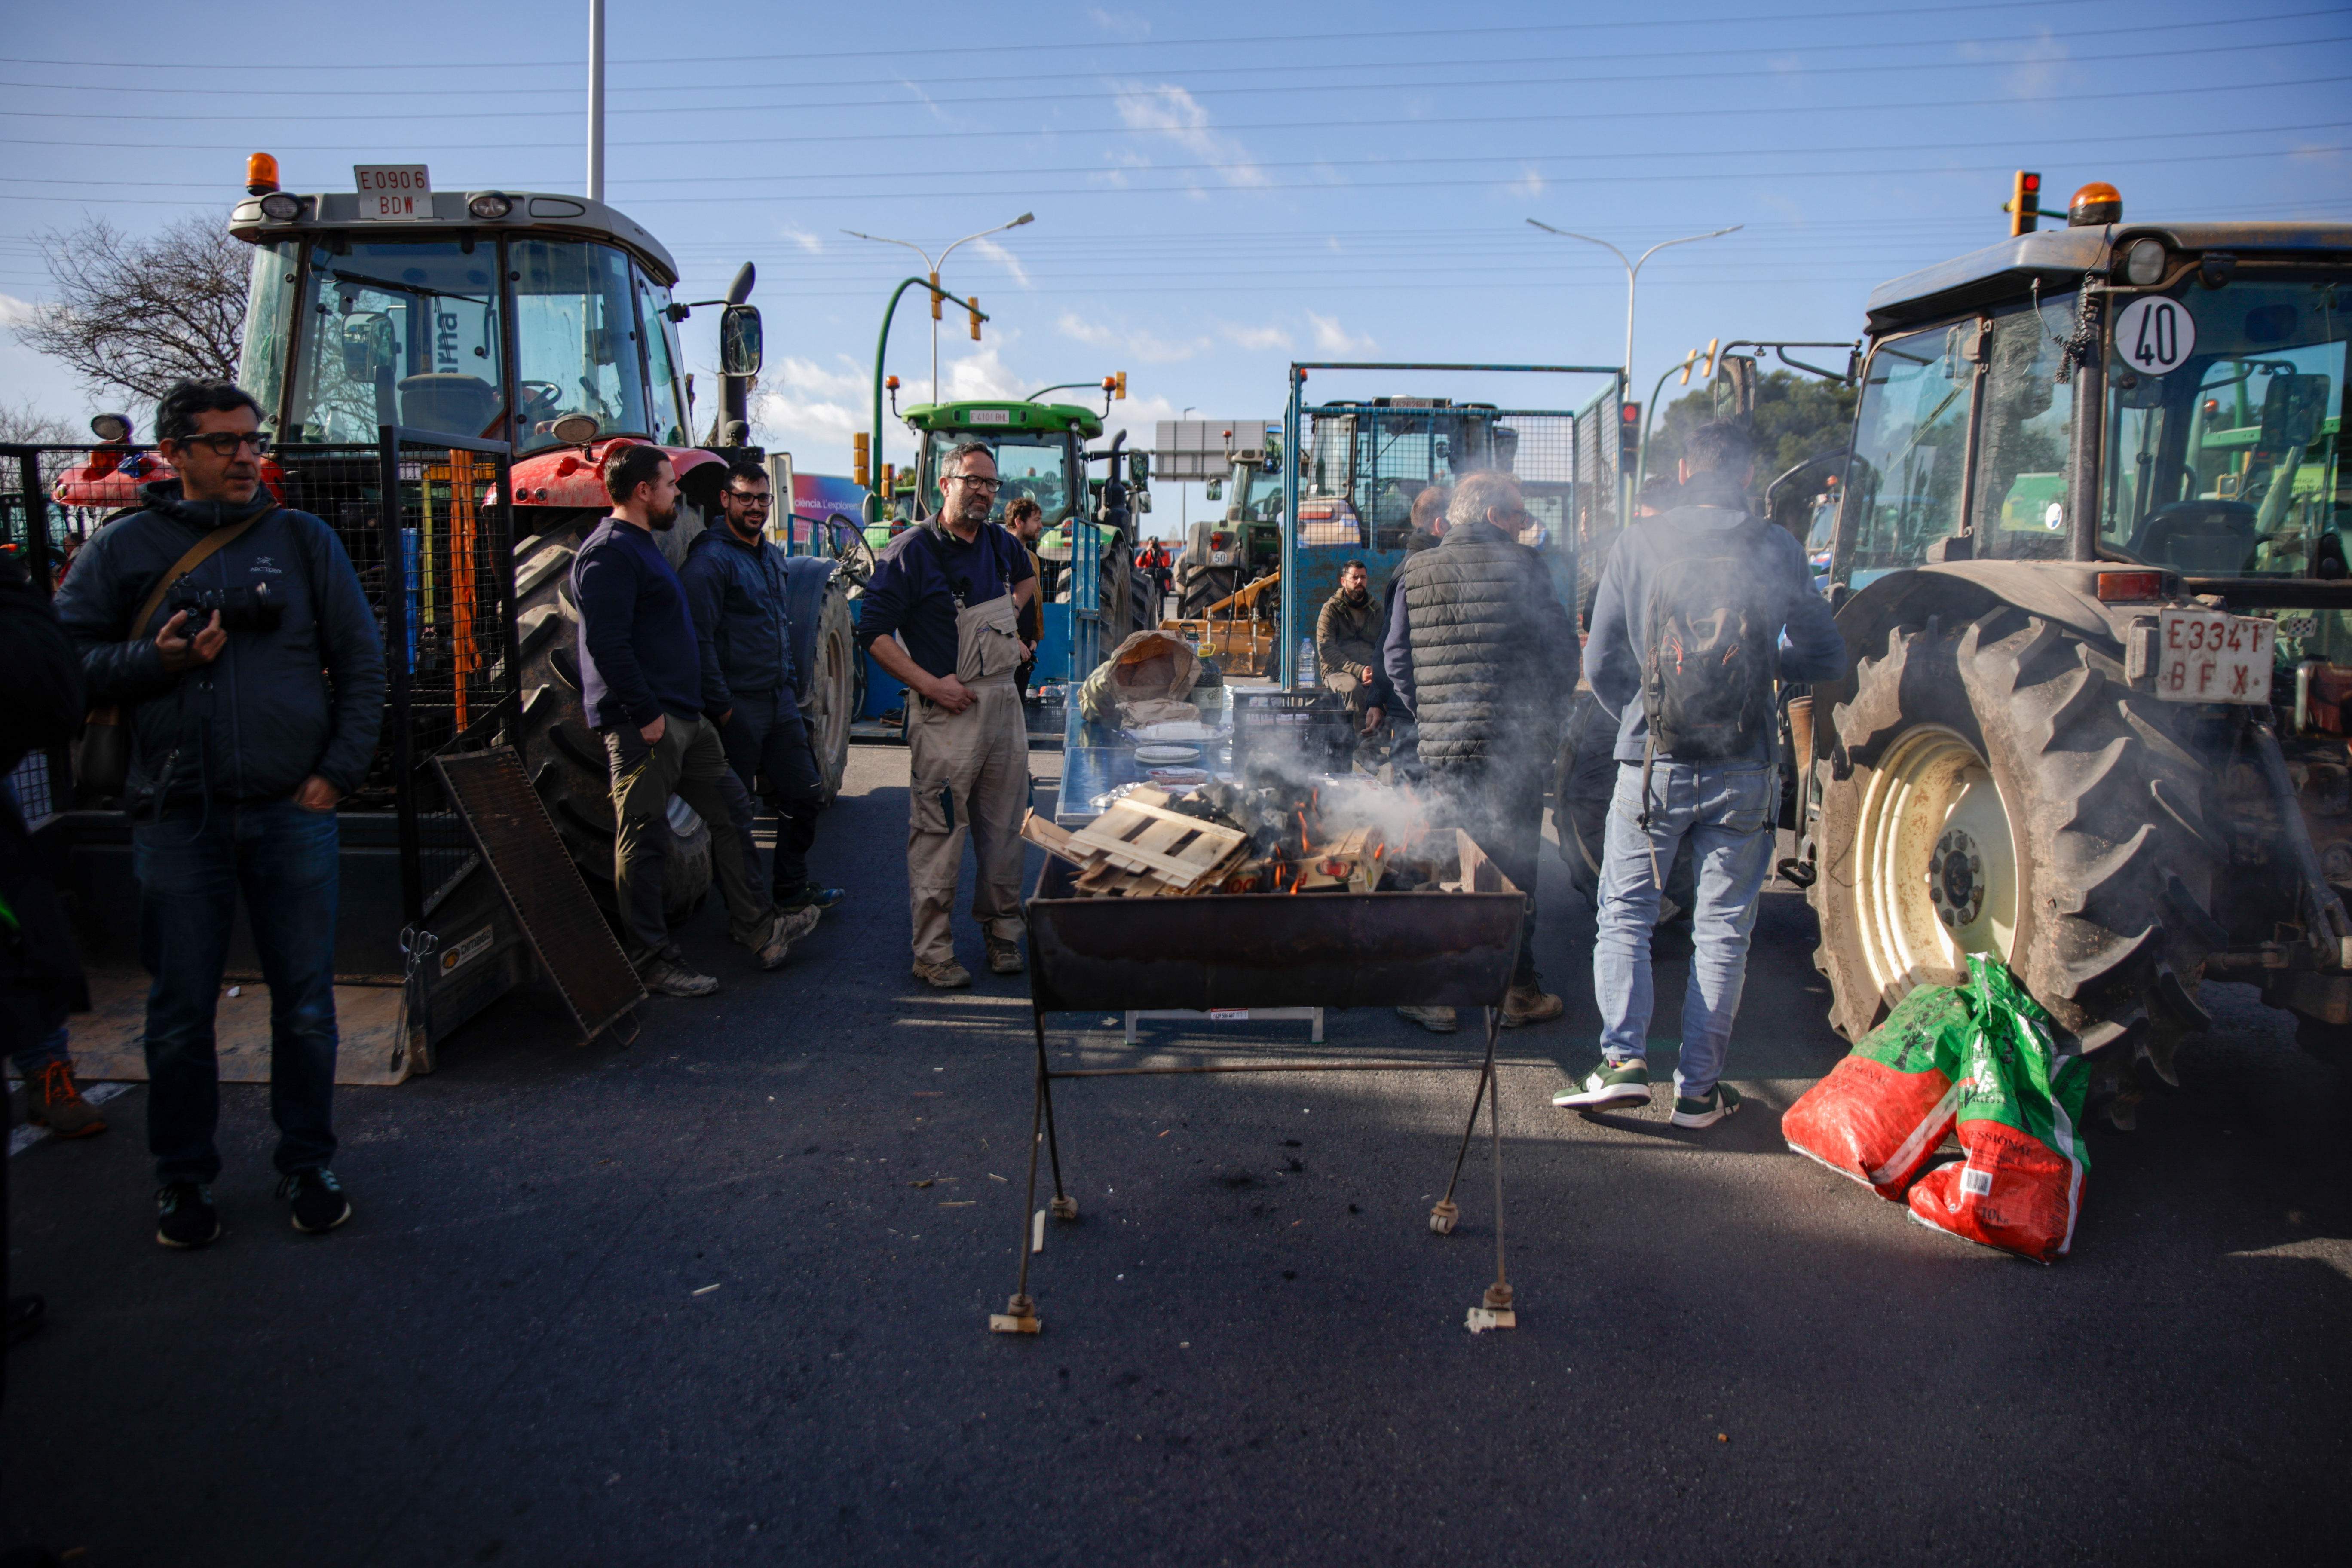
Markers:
<point>2090,562</point>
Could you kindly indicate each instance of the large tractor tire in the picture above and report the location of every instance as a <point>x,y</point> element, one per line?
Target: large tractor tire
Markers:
<point>1202,586</point>
<point>1997,787</point>
<point>835,689</point>
<point>564,757</point>
<point>1118,600</point>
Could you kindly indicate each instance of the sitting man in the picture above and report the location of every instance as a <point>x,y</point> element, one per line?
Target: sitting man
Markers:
<point>1347,637</point>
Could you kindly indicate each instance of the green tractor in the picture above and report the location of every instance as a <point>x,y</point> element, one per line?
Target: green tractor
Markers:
<point>1244,542</point>
<point>1041,453</point>
<point>2090,559</point>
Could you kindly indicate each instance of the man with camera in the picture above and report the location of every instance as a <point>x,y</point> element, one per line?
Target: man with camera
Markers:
<point>232,635</point>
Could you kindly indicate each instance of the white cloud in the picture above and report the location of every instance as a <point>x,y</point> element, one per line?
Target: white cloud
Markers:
<point>1120,24</point>
<point>12,309</point>
<point>1004,259</point>
<point>1146,347</point>
<point>1530,183</point>
<point>1332,338</point>
<point>982,375</point>
<point>928,102</point>
<point>1170,111</point>
<point>1258,339</point>
<point>804,239</point>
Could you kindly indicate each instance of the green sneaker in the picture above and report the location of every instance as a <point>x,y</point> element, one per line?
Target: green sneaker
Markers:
<point>1707,1109</point>
<point>1611,1083</point>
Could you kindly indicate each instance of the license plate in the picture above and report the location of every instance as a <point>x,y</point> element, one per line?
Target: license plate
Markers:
<point>2209,657</point>
<point>393,191</point>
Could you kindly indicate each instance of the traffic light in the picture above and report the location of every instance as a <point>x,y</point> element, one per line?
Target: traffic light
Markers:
<point>861,455</point>
<point>1629,434</point>
<point>972,305</point>
<point>935,296</point>
<point>1120,379</point>
<point>2025,208</point>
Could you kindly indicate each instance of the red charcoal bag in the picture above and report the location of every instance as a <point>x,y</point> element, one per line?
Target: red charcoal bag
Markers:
<point>1877,1118</point>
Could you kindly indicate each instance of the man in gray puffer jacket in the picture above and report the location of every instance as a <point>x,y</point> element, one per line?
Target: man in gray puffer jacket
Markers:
<point>1482,653</point>
<point>253,689</point>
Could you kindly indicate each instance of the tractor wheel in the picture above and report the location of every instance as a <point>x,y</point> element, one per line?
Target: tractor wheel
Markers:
<point>1998,789</point>
<point>564,758</point>
<point>833,687</point>
<point>1206,586</point>
<point>1118,600</point>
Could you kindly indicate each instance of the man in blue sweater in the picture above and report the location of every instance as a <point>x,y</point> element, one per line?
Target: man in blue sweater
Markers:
<point>653,690</point>
<point>1729,806</point>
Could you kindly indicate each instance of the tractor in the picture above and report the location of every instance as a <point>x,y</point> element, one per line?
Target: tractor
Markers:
<point>2090,562</point>
<point>1242,544</point>
<point>544,322</point>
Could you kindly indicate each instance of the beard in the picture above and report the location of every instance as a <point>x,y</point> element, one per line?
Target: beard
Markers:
<point>1357,596</point>
<point>662,521</point>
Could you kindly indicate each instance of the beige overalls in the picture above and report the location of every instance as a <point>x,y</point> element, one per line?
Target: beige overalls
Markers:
<point>969,774</point>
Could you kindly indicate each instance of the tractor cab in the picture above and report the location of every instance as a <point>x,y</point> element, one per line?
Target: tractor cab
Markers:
<point>537,320</point>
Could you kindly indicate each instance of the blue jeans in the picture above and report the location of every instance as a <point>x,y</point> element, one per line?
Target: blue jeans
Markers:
<point>1726,810</point>
<point>54,1046</point>
<point>192,865</point>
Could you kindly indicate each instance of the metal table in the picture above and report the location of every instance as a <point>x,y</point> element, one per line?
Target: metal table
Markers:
<point>1098,757</point>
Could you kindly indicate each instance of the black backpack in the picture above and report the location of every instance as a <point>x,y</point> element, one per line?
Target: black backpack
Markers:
<point>1706,686</point>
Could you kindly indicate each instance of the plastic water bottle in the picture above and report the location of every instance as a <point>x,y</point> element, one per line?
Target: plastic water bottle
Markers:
<point>1306,674</point>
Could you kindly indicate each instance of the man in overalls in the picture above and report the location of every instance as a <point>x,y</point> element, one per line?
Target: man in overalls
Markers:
<point>942,608</point>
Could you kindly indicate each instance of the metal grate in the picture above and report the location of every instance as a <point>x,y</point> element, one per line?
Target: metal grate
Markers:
<point>575,947</point>
<point>31,787</point>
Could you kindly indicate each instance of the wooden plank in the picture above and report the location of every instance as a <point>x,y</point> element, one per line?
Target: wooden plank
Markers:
<point>371,1025</point>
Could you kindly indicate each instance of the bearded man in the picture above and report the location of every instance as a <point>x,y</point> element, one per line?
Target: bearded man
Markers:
<point>653,689</point>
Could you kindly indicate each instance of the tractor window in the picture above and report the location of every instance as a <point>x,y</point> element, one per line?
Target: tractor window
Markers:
<point>2229,465</point>
<point>398,333</point>
<point>269,317</point>
<point>661,363</point>
<point>1910,441</point>
<point>576,338</point>
<point>1034,466</point>
<point>2023,442</point>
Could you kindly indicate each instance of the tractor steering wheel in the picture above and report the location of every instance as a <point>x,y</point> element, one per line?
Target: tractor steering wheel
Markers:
<point>855,555</point>
<point>541,400</point>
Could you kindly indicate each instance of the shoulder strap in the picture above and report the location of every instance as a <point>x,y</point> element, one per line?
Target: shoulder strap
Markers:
<point>202,551</point>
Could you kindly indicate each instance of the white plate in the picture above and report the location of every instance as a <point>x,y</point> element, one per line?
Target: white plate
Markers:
<point>1160,756</point>
<point>1177,729</point>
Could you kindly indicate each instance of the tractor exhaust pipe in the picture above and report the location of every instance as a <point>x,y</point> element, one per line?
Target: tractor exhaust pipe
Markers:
<point>733,425</point>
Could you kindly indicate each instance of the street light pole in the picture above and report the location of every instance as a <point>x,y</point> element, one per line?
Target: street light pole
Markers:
<point>933,268</point>
<point>1184,492</point>
<point>1633,273</point>
<point>595,100</point>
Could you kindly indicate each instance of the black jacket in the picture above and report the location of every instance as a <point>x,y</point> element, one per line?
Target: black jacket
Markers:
<point>40,707</point>
<point>1481,649</point>
<point>275,707</point>
<point>736,593</point>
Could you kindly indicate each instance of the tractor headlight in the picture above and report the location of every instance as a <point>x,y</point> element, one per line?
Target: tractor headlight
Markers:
<point>489,204</point>
<point>2144,262</point>
<point>281,206</point>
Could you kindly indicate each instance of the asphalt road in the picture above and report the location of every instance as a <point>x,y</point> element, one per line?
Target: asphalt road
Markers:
<point>721,1298</point>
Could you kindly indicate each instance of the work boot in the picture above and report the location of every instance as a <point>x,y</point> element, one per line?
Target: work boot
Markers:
<point>317,1200</point>
<point>51,1100</point>
<point>184,1215</point>
<point>1530,1004</point>
<point>1436,1020</point>
<point>663,977</point>
<point>1005,957</point>
<point>786,928</point>
<point>944,975</point>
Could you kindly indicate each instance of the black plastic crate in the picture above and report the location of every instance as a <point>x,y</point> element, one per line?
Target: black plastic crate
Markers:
<point>1283,732</point>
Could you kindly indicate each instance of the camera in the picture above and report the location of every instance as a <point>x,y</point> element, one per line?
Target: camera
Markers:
<point>249,609</point>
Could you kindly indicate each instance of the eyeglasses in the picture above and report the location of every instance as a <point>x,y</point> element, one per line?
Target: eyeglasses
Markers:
<point>974,481</point>
<point>757,503</point>
<point>225,443</point>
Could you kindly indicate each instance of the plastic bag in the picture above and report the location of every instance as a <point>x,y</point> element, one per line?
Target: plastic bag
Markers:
<point>1879,1115</point>
<point>2021,1188</point>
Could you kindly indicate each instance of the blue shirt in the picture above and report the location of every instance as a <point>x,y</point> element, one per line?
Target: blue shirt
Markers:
<point>639,655</point>
<point>1810,646</point>
<point>914,588</point>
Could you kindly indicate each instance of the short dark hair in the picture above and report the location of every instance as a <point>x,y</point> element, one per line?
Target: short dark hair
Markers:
<point>1020,507</point>
<point>954,465</point>
<point>1429,505</point>
<point>741,468</point>
<point>1719,446</point>
<point>175,415</point>
<point>626,467</point>
<point>1348,566</point>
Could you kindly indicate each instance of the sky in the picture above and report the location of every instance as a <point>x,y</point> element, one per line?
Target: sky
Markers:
<point>1219,189</point>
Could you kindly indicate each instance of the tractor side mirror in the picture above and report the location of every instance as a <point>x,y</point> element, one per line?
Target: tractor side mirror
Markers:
<point>1139,469</point>
<point>1215,490</point>
<point>738,341</point>
<point>2291,410</point>
<point>367,345</point>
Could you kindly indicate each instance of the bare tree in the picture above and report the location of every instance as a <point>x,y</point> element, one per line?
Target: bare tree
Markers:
<point>22,424</point>
<point>136,315</point>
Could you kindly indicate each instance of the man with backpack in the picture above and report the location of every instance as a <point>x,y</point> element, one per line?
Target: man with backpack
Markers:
<point>1698,612</point>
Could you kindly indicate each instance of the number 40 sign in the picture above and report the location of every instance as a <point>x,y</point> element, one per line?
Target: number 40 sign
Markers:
<point>2155,335</point>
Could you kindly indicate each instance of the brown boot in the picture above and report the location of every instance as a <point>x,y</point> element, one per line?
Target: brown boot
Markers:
<point>51,1100</point>
<point>944,975</point>
<point>1005,957</point>
<point>1530,1004</point>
